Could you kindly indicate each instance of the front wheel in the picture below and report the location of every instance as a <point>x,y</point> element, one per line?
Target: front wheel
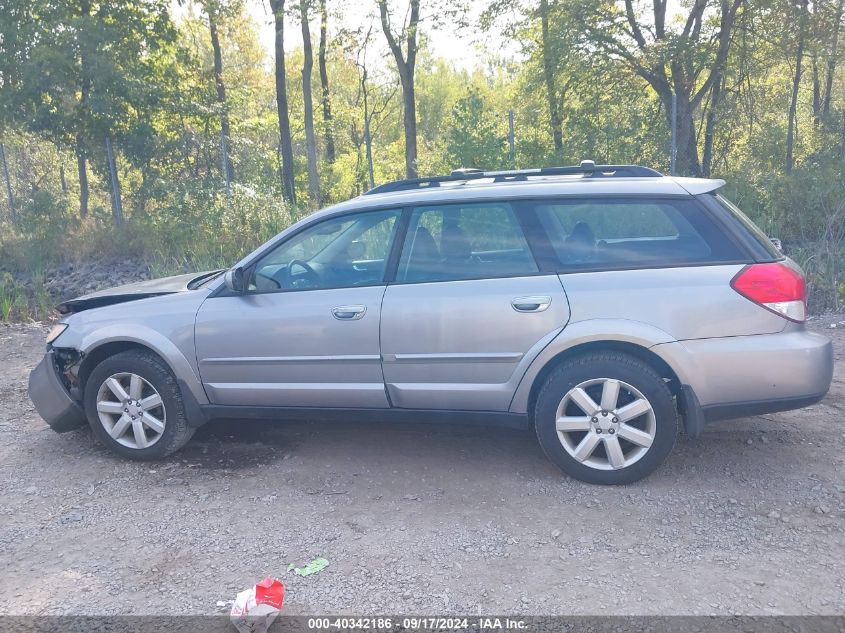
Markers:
<point>134,406</point>
<point>606,418</point>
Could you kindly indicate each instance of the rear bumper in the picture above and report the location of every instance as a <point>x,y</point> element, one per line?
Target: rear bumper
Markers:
<point>731,410</point>
<point>750,375</point>
<point>50,398</point>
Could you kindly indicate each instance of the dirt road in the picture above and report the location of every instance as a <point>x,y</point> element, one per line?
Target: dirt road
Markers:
<point>750,518</point>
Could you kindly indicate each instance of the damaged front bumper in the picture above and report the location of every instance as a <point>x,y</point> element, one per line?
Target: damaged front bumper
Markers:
<point>51,398</point>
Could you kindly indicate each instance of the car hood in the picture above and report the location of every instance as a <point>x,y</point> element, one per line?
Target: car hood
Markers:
<point>132,292</point>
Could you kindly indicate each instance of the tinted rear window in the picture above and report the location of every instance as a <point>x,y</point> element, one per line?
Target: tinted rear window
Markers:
<point>626,233</point>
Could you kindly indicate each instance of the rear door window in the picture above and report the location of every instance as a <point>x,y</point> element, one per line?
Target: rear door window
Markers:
<point>470,241</point>
<point>630,233</point>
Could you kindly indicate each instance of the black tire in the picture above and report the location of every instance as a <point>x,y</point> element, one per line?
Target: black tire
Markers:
<point>618,366</point>
<point>152,369</point>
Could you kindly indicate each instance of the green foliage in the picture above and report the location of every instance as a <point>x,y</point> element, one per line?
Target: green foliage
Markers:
<point>141,71</point>
<point>205,228</point>
<point>474,137</point>
<point>20,301</point>
<point>193,228</point>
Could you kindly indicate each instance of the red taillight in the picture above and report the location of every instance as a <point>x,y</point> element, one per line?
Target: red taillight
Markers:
<point>776,286</point>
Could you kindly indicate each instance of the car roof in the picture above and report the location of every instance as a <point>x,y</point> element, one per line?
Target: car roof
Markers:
<point>542,187</point>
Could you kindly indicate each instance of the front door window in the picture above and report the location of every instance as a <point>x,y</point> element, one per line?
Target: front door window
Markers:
<point>340,252</point>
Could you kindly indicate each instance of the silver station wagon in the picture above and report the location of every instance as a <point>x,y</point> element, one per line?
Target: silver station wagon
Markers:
<point>602,307</point>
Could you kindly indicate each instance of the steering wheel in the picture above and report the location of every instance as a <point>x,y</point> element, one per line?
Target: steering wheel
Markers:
<point>310,274</point>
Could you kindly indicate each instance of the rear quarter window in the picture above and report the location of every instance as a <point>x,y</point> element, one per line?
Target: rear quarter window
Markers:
<point>762,246</point>
<point>629,233</point>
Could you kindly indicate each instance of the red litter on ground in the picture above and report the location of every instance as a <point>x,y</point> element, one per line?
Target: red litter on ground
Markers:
<point>256,608</point>
<point>270,591</point>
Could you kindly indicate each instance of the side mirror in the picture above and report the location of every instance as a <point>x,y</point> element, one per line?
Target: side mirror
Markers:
<point>777,243</point>
<point>234,279</point>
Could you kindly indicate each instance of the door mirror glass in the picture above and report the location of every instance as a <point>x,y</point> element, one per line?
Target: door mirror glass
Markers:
<point>234,279</point>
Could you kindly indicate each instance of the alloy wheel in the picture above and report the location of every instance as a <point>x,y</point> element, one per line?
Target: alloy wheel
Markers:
<point>131,410</point>
<point>606,424</point>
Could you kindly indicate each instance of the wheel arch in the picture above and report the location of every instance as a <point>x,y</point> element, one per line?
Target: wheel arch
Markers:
<point>98,345</point>
<point>644,354</point>
<point>633,338</point>
<point>106,350</point>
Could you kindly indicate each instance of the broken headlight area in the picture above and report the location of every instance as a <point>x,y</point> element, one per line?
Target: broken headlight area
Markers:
<point>67,362</point>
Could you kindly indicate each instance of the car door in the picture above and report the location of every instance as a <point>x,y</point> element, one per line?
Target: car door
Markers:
<point>468,310</point>
<point>306,333</point>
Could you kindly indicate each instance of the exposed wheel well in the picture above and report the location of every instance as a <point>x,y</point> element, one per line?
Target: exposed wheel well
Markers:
<point>637,351</point>
<point>101,353</point>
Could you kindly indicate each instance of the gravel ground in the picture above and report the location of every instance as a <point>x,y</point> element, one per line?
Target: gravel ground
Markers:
<point>747,519</point>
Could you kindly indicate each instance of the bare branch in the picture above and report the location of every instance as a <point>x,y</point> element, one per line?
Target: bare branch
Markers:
<point>694,15</point>
<point>392,42</point>
<point>659,19</point>
<point>725,24</point>
<point>632,21</point>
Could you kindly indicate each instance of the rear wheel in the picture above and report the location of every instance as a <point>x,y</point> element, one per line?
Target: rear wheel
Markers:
<point>606,418</point>
<point>134,406</point>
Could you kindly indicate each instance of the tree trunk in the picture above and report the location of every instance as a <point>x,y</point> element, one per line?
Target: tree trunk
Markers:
<point>285,142</point>
<point>82,168</point>
<point>368,143</point>
<point>116,202</point>
<point>817,91</point>
<point>406,65</point>
<point>13,214</point>
<point>365,93</point>
<point>324,84</point>
<point>225,136</point>
<point>549,76</point>
<point>686,159</point>
<point>512,142</point>
<point>709,129</point>
<point>842,148</point>
<point>310,138</point>
<point>63,179</point>
<point>409,118</point>
<point>687,77</point>
<point>206,152</point>
<point>789,163</point>
<point>831,59</point>
<point>85,91</point>
<point>142,193</point>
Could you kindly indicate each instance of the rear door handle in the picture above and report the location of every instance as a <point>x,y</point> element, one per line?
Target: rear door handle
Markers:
<point>531,304</point>
<point>349,313</point>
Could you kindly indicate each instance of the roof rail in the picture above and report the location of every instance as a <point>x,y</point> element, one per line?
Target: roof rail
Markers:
<point>587,169</point>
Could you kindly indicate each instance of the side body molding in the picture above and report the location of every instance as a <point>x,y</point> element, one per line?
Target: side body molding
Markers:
<point>581,332</point>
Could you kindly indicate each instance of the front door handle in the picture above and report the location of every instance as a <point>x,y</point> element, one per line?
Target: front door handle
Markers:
<point>531,304</point>
<point>349,313</point>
